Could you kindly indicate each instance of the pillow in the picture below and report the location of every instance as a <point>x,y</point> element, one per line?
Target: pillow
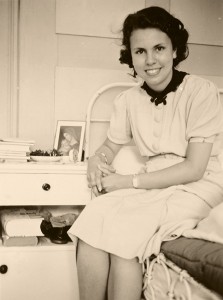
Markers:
<point>209,228</point>
<point>128,160</point>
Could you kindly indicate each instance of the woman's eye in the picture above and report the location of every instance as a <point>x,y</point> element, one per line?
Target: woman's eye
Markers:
<point>159,48</point>
<point>140,51</point>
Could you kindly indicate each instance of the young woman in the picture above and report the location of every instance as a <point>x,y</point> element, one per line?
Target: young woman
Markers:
<point>176,121</point>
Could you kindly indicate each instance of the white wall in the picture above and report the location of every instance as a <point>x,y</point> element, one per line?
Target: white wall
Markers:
<point>4,67</point>
<point>8,67</point>
<point>38,60</point>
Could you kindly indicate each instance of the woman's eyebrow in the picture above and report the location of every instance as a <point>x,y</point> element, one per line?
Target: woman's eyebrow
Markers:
<point>138,48</point>
<point>159,44</point>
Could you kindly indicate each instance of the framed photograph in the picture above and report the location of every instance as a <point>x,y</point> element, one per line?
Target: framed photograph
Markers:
<point>69,139</point>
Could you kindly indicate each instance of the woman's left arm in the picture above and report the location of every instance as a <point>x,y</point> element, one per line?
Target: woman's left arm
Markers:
<point>189,170</point>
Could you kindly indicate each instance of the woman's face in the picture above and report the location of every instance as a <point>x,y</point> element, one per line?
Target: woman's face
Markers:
<point>152,56</point>
<point>67,136</point>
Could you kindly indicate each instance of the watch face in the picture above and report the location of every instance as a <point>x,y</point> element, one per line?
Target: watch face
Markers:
<point>135,181</point>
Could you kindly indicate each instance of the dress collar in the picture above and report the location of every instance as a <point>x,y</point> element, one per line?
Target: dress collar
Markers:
<point>160,97</point>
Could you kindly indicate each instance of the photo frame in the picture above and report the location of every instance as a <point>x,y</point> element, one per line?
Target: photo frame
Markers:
<point>69,139</point>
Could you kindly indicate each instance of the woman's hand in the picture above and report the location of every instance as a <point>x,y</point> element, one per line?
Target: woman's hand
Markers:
<point>99,168</point>
<point>113,182</point>
<point>96,171</point>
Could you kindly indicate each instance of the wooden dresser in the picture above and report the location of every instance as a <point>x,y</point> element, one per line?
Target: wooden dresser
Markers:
<point>46,271</point>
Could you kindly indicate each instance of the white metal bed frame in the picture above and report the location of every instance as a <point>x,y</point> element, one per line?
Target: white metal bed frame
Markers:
<point>92,101</point>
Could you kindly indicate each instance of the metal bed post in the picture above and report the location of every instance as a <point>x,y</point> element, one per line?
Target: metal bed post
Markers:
<point>90,107</point>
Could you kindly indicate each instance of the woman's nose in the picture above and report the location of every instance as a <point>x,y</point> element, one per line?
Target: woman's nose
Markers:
<point>150,58</point>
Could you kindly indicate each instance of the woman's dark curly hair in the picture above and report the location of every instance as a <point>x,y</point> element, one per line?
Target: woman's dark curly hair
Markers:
<point>155,17</point>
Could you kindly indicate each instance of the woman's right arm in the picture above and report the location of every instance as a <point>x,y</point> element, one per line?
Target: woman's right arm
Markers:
<point>102,159</point>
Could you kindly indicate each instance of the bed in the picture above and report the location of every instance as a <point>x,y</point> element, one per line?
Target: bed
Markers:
<point>190,267</point>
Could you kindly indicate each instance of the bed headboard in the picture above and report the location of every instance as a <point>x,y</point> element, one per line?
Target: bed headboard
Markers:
<point>99,112</point>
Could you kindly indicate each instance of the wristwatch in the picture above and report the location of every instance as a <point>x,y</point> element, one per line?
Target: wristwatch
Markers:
<point>135,182</point>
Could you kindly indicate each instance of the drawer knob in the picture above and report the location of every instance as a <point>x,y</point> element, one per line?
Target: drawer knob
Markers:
<point>3,269</point>
<point>46,186</point>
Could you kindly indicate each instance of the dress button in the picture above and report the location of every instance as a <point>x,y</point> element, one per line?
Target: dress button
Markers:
<point>158,116</point>
<point>160,106</point>
<point>155,146</point>
<point>157,119</point>
<point>157,133</point>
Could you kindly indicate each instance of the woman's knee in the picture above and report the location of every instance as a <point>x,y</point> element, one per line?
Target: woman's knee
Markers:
<point>81,244</point>
<point>117,260</point>
<point>86,252</point>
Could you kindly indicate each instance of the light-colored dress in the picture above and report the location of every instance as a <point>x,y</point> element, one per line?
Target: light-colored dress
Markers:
<point>134,222</point>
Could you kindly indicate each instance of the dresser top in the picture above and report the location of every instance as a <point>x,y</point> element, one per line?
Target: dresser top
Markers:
<point>37,167</point>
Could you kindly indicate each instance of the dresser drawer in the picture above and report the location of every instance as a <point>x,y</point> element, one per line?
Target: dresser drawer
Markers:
<point>38,272</point>
<point>44,189</point>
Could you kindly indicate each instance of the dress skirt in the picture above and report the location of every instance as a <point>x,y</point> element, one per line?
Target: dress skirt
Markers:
<point>134,222</point>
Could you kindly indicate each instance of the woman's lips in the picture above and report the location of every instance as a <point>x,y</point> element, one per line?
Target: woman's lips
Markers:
<point>152,72</point>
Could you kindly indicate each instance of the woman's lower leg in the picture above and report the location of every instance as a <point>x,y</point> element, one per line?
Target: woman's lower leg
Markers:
<point>92,269</point>
<point>125,279</point>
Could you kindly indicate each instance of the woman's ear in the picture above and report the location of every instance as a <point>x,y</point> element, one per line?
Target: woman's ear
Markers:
<point>175,53</point>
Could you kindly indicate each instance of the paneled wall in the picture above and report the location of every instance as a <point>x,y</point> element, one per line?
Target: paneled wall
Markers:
<point>70,48</point>
<point>8,67</point>
<point>4,19</point>
<point>37,64</point>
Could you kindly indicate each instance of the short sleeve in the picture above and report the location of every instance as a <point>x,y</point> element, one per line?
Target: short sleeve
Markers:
<point>119,130</point>
<point>205,113</point>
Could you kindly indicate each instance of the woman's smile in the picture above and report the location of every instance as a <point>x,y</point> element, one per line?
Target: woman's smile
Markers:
<point>153,72</point>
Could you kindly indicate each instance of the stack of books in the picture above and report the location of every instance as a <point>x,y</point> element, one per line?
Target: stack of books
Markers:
<point>15,150</point>
<point>20,226</point>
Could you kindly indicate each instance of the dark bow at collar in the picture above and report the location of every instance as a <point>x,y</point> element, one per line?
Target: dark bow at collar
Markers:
<point>160,97</point>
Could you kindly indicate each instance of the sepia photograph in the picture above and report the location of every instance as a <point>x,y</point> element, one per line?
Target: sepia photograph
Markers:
<point>111,137</point>
<point>69,139</point>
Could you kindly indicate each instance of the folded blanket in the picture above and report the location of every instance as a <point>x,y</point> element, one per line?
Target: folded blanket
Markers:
<point>210,228</point>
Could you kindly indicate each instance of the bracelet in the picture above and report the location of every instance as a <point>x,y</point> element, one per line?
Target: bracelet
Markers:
<point>135,182</point>
<point>102,154</point>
